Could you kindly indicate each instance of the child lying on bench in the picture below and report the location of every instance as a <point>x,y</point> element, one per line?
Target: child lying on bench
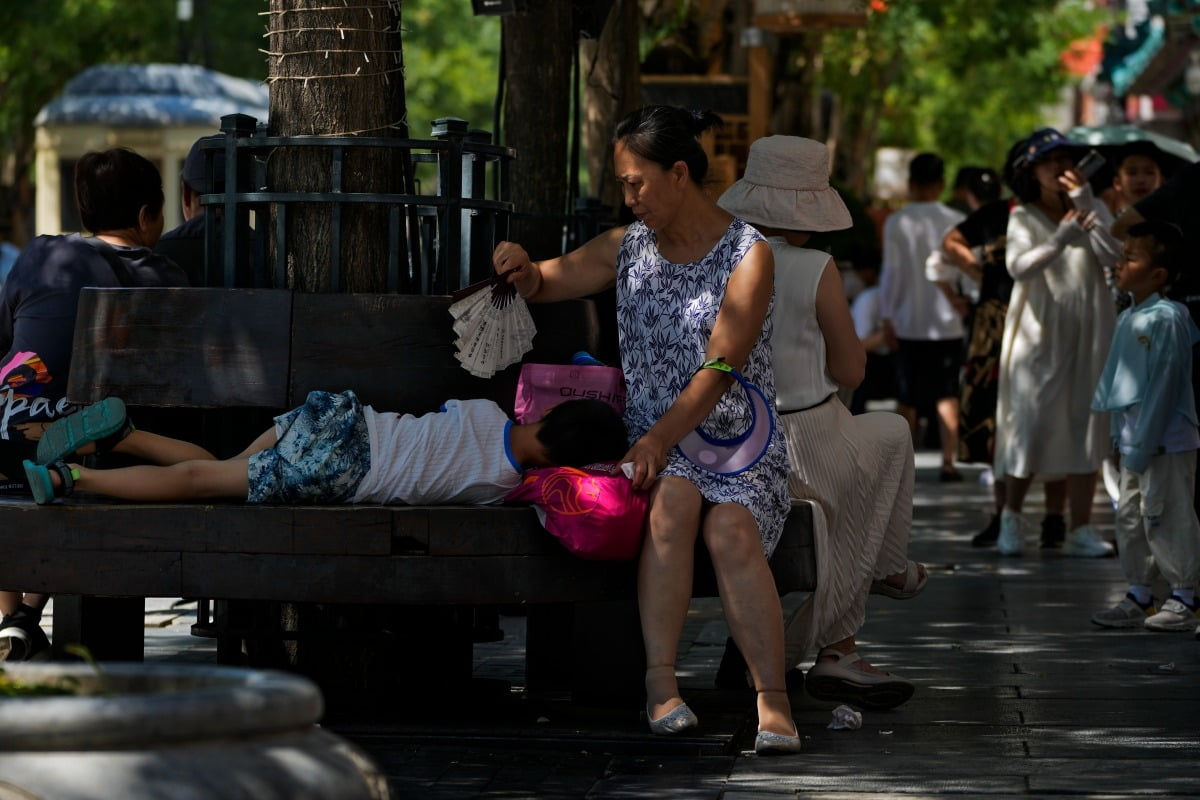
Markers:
<point>332,449</point>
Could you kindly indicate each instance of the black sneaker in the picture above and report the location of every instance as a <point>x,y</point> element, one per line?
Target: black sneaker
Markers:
<point>22,639</point>
<point>987,537</point>
<point>1054,531</point>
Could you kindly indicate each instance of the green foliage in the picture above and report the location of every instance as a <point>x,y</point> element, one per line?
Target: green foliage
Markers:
<point>46,43</point>
<point>966,78</point>
<point>451,64</point>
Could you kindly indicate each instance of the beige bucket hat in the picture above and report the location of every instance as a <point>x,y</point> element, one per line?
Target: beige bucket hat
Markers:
<point>786,186</point>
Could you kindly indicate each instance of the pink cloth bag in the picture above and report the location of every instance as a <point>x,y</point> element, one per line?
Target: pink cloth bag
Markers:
<point>540,386</point>
<point>596,514</point>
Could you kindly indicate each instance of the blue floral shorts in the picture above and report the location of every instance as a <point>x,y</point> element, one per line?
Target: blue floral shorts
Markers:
<point>322,455</point>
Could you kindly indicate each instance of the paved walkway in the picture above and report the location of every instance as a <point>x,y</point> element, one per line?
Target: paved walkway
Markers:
<point>1019,695</point>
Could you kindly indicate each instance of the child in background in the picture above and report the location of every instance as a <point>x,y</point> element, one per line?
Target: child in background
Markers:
<point>879,380</point>
<point>333,449</point>
<point>1138,174</point>
<point>1146,385</point>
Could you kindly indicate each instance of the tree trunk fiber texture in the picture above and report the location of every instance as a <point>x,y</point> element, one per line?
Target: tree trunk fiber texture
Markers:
<point>336,71</point>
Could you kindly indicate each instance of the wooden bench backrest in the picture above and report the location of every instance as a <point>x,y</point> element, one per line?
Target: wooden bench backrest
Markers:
<point>267,348</point>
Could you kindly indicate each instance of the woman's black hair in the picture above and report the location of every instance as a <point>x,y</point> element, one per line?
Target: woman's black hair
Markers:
<point>581,432</point>
<point>1020,179</point>
<point>112,186</point>
<point>984,183</point>
<point>666,135</point>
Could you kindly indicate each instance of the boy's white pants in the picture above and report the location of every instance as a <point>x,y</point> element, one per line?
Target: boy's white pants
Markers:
<point>1156,526</point>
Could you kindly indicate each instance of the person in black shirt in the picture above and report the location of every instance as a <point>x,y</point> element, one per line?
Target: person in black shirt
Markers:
<point>120,199</point>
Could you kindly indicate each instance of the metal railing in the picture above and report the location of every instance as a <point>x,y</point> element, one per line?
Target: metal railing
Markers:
<point>437,242</point>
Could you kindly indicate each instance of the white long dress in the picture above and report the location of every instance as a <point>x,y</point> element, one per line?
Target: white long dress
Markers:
<point>1056,339</point>
<point>856,470</point>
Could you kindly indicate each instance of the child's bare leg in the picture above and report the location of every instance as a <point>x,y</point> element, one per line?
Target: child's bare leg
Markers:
<point>187,480</point>
<point>159,449</point>
<point>165,451</point>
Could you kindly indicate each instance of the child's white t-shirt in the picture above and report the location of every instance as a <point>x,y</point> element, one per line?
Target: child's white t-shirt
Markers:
<point>460,454</point>
<point>865,312</point>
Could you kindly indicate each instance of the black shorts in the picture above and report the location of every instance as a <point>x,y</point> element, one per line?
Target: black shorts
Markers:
<point>927,371</point>
<point>12,474</point>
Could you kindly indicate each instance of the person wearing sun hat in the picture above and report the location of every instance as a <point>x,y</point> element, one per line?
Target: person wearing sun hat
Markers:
<point>1056,337</point>
<point>856,470</point>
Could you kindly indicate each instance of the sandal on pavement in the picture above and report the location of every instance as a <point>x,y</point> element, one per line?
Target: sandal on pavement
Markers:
<point>677,720</point>
<point>40,483</point>
<point>103,423</point>
<point>840,681</point>
<point>914,584</point>
<point>776,744</point>
<point>767,743</point>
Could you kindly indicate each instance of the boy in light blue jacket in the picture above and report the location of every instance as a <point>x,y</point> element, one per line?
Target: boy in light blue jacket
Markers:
<point>1146,386</point>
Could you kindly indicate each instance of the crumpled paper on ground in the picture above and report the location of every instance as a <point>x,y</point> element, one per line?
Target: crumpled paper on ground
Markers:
<point>845,718</point>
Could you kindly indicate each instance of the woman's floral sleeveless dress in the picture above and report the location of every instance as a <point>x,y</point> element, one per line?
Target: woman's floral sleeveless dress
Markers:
<point>665,315</point>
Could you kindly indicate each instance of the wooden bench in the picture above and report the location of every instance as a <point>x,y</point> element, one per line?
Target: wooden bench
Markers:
<point>199,357</point>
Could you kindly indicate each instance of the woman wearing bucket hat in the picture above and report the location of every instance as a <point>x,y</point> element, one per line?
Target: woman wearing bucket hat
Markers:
<point>693,288</point>
<point>1056,337</point>
<point>856,470</point>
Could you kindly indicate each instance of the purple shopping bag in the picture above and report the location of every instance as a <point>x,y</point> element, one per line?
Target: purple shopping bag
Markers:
<point>541,386</point>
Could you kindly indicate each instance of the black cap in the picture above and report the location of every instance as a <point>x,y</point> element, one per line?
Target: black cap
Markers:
<point>194,173</point>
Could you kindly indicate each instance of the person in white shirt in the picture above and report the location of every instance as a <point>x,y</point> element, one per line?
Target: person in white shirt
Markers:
<point>927,330</point>
<point>333,449</point>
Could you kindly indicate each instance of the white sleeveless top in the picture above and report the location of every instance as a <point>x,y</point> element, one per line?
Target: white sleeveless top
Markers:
<point>801,378</point>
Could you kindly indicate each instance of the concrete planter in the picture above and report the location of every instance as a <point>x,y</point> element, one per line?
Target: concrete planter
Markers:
<point>184,732</point>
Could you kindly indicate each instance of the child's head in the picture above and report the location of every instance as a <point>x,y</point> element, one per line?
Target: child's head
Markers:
<point>1138,171</point>
<point>1151,258</point>
<point>865,260</point>
<point>976,186</point>
<point>580,432</point>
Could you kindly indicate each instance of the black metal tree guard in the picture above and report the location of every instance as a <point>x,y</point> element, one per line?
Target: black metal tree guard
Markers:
<point>437,243</point>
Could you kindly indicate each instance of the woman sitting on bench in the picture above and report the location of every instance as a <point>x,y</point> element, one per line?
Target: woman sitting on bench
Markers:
<point>332,449</point>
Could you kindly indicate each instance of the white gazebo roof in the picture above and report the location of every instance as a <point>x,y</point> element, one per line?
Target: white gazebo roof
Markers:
<point>157,109</point>
<point>149,95</point>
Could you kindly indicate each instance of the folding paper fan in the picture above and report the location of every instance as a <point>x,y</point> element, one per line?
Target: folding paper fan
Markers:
<point>492,325</point>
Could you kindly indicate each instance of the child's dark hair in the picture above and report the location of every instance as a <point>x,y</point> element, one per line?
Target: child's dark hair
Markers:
<point>1166,245</point>
<point>581,432</point>
<point>926,169</point>
<point>984,183</point>
<point>666,134</point>
<point>112,186</point>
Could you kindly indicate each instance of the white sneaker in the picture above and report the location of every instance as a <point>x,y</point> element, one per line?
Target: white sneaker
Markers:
<point>1010,541</point>
<point>1173,615</point>
<point>1084,543</point>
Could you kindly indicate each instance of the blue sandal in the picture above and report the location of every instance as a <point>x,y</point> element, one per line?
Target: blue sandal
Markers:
<point>103,423</point>
<point>42,486</point>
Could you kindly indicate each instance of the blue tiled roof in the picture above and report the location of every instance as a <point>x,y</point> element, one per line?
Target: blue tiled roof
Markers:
<point>149,95</point>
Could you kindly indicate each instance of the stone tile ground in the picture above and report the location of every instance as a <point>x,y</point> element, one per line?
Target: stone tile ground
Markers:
<point>1019,696</point>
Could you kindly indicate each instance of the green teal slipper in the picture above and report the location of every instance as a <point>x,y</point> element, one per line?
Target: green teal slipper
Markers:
<point>104,423</point>
<point>40,483</point>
